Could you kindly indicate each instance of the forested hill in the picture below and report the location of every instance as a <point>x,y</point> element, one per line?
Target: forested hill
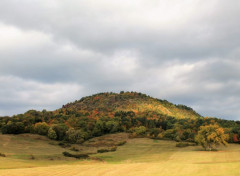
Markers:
<point>107,104</point>
<point>106,113</point>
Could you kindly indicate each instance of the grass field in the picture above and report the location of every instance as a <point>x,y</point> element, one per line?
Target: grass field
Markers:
<point>139,156</point>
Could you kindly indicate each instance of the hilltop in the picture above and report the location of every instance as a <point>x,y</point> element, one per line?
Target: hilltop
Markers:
<point>103,104</point>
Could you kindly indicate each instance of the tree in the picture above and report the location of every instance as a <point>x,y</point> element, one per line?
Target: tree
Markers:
<point>52,134</point>
<point>13,128</point>
<point>60,130</point>
<point>75,136</point>
<point>140,130</point>
<point>41,128</point>
<point>112,126</point>
<point>99,128</point>
<point>210,136</point>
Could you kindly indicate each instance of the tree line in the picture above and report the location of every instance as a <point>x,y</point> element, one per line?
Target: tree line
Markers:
<point>77,127</point>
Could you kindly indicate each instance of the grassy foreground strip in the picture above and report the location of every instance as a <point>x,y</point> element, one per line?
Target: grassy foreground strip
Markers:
<point>140,169</point>
<point>139,156</point>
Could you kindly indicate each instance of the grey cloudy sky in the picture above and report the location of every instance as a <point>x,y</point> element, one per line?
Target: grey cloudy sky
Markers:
<point>53,52</point>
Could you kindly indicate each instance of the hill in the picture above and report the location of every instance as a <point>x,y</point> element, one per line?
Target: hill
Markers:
<point>106,113</point>
<point>109,103</point>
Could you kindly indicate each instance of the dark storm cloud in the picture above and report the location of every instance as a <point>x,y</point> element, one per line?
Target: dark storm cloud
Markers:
<point>186,52</point>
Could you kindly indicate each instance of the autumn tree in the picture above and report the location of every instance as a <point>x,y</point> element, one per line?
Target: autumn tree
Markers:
<point>211,136</point>
<point>41,128</point>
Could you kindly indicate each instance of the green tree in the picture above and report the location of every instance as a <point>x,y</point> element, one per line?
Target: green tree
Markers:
<point>52,134</point>
<point>75,136</point>
<point>99,128</point>
<point>210,136</point>
<point>13,128</point>
<point>112,126</point>
<point>60,130</point>
<point>41,128</point>
<point>140,130</point>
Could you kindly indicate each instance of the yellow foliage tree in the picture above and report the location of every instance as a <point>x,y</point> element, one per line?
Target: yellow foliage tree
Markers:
<point>211,136</point>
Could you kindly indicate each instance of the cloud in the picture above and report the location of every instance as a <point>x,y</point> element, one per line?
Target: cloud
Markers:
<point>19,95</point>
<point>187,52</point>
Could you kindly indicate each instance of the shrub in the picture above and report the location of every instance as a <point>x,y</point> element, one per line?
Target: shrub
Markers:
<point>121,143</point>
<point>2,155</point>
<point>64,145</point>
<point>112,149</point>
<point>102,150</point>
<point>32,157</point>
<point>74,149</point>
<point>78,156</point>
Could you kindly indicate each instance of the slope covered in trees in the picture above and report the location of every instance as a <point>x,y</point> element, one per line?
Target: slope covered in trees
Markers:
<point>105,113</point>
<point>108,103</point>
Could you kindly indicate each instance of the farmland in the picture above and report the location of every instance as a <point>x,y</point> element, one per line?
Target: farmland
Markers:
<point>139,156</point>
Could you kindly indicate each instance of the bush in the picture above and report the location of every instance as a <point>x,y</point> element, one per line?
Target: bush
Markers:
<point>121,143</point>
<point>2,155</point>
<point>74,149</point>
<point>32,157</point>
<point>102,150</point>
<point>112,149</point>
<point>64,145</point>
<point>78,156</point>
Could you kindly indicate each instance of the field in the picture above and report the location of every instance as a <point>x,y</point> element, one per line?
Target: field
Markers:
<point>33,155</point>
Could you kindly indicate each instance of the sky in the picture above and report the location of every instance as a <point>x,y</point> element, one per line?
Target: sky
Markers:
<point>53,52</point>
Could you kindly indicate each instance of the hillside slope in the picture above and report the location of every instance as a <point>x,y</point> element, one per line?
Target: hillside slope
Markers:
<point>109,103</point>
<point>106,113</point>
